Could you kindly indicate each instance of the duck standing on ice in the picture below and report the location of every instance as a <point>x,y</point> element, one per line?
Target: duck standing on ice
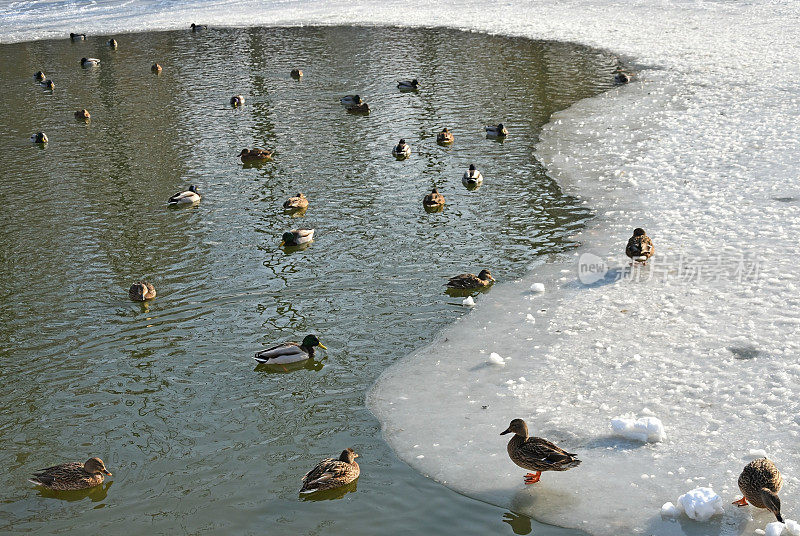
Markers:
<point>640,247</point>
<point>760,483</point>
<point>535,453</point>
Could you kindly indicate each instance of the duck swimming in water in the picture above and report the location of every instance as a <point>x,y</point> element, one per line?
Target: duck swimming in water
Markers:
<point>198,27</point>
<point>39,137</point>
<point>444,137</point>
<point>498,131</point>
<point>77,37</point>
<point>433,200</point>
<point>535,453</point>
<point>401,150</point>
<point>289,352</point>
<point>156,68</point>
<point>760,483</point>
<point>298,202</point>
<point>186,197</point>
<point>142,291</point>
<point>47,84</point>
<point>472,177</point>
<point>237,100</point>
<point>297,237</point>
<point>408,85</point>
<point>83,114</point>
<point>71,476</point>
<point>297,74</point>
<point>471,281</point>
<point>112,43</point>
<point>39,76</point>
<point>640,247</point>
<point>89,62</point>
<point>250,156</point>
<point>330,473</point>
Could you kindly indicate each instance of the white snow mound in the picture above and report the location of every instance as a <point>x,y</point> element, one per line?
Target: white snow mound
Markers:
<point>701,504</point>
<point>496,359</point>
<point>644,429</point>
<point>537,287</point>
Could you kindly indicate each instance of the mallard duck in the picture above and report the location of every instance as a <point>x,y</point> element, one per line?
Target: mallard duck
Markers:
<point>351,100</point>
<point>156,68</point>
<point>289,352</point>
<point>198,27</point>
<point>71,476</point>
<point>297,74</point>
<point>535,453</point>
<point>255,155</point>
<point>83,114</point>
<point>640,247</point>
<point>498,131</point>
<point>330,473</point>
<point>89,62</point>
<point>469,281</point>
<point>361,109</point>
<point>142,291</point>
<point>298,202</point>
<point>444,137</point>
<point>297,237</point>
<point>39,76</point>
<point>77,37</point>
<point>237,100</point>
<point>472,177</point>
<point>760,483</point>
<point>39,137</point>
<point>621,77</point>
<point>401,150</point>
<point>433,199</point>
<point>186,197</point>
<point>408,85</point>
<point>112,43</point>
<point>47,84</point>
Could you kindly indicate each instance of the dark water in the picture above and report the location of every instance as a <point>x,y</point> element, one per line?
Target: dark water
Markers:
<point>199,439</point>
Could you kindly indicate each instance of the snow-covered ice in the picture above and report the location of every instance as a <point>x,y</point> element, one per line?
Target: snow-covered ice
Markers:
<point>703,151</point>
<point>496,359</point>
<point>644,429</point>
<point>537,287</point>
<point>700,504</point>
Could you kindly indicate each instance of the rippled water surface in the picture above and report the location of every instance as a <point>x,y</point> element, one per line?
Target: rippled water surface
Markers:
<point>200,439</point>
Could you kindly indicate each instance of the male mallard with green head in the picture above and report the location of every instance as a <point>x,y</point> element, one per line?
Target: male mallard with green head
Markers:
<point>142,291</point>
<point>401,150</point>
<point>71,476</point>
<point>39,137</point>
<point>408,85</point>
<point>640,247</point>
<point>289,352</point>
<point>77,37</point>
<point>471,281</point>
<point>760,483</point>
<point>187,197</point>
<point>297,237</point>
<point>535,453</point>
<point>498,131</point>
<point>330,473</point>
<point>86,63</point>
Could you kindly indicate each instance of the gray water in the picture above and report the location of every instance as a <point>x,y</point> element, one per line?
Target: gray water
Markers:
<point>199,438</point>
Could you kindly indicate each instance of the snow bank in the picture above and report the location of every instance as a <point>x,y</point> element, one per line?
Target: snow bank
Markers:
<point>700,504</point>
<point>644,429</point>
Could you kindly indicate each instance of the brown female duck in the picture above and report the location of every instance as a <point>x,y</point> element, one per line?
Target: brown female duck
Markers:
<point>330,473</point>
<point>640,247</point>
<point>470,281</point>
<point>444,137</point>
<point>298,202</point>
<point>760,483</point>
<point>255,155</point>
<point>433,199</point>
<point>71,476</point>
<point>535,453</point>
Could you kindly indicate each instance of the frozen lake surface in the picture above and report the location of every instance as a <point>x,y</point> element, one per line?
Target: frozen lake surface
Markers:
<point>703,151</point>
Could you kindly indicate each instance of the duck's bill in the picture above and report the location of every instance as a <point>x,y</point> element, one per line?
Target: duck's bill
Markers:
<point>282,243</point>
<point>106,472</point>
<point>322,346</point>
<point>508,431</point>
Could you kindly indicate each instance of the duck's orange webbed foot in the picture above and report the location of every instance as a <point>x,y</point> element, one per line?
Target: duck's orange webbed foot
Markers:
<point>533,478</point>
<point>741,502</point>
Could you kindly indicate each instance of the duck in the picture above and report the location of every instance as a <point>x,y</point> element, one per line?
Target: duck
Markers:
<point>433,199</point>
<point>71,476</point>
<point>83,114</point>
<point>186,197</point>
<point>47,84</point>
<point>351,100</point>
<point>472,177</point>
<point>237,100</point>
<point>535,453</point>
<point>621,77</point>
<point>142,291</point>
<point>330,473</point>
<point>112,43</point>
<point>760,483</point>
<point>444,137</point>
<point>156,68</point>
<point>471,281</point>
<point>77,37</point>
<point>89,62</point>
<point>297,74</point>
<point>298,202</point>
<point>198,27</point>
<point>297,237</point>
<point>498,131</point>
<point>289,352</point>
<point>39,137</point>
<point>39,76</point>
<point>255,155</point>
<point>408,85</point>
<point>362,109</point>
<point>402,149</point>
<point>640,247</point>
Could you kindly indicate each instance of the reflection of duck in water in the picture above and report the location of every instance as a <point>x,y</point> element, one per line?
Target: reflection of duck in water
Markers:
<point>330,473</point>
<point>535,453</point>
<point>71,476</point>
<point>289,352</point>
